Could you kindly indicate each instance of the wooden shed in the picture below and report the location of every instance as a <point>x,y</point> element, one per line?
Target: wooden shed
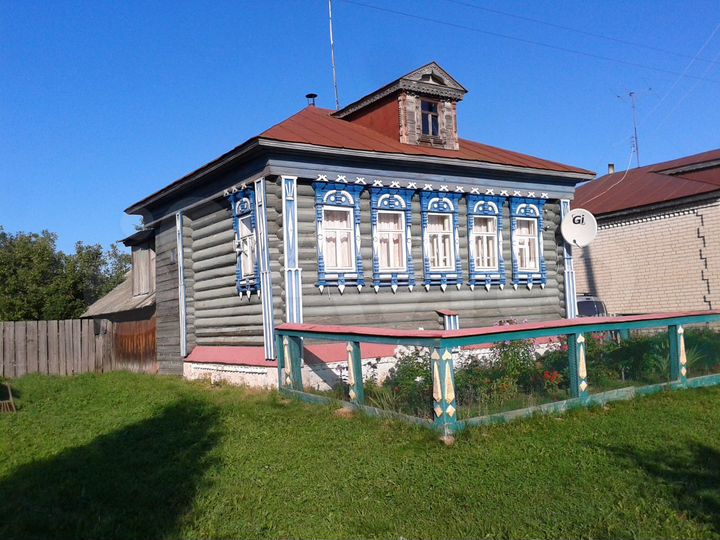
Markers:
<point>376,214</point>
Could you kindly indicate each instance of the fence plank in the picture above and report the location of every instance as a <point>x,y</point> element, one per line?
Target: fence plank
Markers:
<point>9,346</point>
<point>84,363</point>
<point>77,345</point>
<point>111,345</point>
<point>42,358</point>
<point>20,348</point>
<point>67,329</point>
<point>88,336</point>
<point>31,340</point>
<point>53,352</point>
<point>62,348</point>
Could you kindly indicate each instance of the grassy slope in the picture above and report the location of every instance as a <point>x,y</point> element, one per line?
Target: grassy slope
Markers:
<point>124,455</point>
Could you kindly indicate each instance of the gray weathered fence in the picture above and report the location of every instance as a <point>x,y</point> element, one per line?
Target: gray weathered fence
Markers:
<point>75,346</point>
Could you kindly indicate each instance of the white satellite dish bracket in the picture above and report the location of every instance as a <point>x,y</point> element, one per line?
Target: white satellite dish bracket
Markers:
<point>579,227</point>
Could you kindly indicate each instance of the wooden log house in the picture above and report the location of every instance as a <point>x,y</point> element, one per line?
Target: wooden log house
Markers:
<point>377,214</point>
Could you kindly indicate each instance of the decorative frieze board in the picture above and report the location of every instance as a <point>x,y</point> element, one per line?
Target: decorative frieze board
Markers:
<point>443,187</point>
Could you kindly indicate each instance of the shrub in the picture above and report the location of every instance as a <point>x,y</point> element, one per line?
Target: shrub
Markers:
<point>411,381</point>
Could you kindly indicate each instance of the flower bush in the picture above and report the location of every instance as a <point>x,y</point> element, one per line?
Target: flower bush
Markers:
<point>512,375</point>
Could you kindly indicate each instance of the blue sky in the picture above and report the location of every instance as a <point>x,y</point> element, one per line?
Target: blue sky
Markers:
<point>102,103</point>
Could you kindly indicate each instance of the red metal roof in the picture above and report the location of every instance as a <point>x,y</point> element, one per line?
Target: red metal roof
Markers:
<point>314,125</point>
<point>652,184</point>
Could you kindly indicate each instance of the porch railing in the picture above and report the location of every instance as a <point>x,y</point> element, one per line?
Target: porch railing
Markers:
<point>442,343</point>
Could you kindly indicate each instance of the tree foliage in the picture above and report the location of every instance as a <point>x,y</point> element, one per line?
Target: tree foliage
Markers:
<point>37,281</point>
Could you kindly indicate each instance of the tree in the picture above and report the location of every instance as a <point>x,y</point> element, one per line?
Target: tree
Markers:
<point>39,282</point>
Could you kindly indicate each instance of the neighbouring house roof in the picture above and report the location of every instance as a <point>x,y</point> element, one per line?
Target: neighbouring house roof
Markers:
<point>652,184</point>
<point>120,299</point>
<point>318,128</point>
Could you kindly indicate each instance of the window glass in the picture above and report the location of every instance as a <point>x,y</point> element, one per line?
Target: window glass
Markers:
<point>247,246</point>
<point>391,240</point>
<point>527,244</point>
<point>485,233</point>
<point>429,117</point>
<point>441,243</point>
<point>338,249</point>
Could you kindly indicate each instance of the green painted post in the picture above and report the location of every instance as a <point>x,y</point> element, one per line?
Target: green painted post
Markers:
<point>280,351</point>
<point>577,366</point>
<point>295,350</point>
<point>355,378</point>
<point>678,358</point>
<point>444,402</point>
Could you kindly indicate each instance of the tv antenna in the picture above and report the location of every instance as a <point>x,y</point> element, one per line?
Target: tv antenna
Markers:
<point>635,141</point>
<point>332,56</point>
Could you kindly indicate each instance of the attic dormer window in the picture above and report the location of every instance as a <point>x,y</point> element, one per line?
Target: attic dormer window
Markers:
<point>430,118</point>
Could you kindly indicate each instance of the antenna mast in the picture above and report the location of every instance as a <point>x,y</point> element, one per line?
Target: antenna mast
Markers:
<point>635,137</point>
<point>332,55</point>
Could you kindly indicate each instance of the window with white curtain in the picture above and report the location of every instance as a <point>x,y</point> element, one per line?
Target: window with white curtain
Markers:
<point>442,245</point>
<point>526,238</point>
<point>391,241</point>
<point>246,245</point>
<point>339,239</point>
<point>485,238</point>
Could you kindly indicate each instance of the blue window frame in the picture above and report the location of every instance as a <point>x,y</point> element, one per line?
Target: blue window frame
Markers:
<point>391,218</point>
<point>337,217</point>
<point>244,223</point>
<point>441,246</point>
<point>485,241</point>
<point>526,228</point>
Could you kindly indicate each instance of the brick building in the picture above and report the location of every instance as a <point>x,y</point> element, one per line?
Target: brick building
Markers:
<point>658,242</point>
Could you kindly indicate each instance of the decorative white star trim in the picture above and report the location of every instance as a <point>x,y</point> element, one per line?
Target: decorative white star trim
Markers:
<point>341,178</point>
<point>322,178</point>
<point>531,193</point>
<point>226,193</point>
<point>544,196</point>
<point>475,191</point>
<point>412,185</point>
<point>443,188</point>
<point>427,187</point>
<point>243,185</point>
<point>489,191</point>
<point>459,189</point>
<point>394,184</point>
<point>516,193</point>
<point>360,180</point>
<point>504,193</point>
<point>377,183</point>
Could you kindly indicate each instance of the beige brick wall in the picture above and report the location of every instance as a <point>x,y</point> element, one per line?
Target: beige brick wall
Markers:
<point>663,261</point>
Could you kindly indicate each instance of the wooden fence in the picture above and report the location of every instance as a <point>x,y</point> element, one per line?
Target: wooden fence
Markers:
<point>76,346</point>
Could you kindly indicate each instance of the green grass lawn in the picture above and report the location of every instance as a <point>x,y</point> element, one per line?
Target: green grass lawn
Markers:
<point>133,456</point>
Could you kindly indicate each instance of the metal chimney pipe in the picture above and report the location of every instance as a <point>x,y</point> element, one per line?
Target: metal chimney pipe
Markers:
<point>611,168</point>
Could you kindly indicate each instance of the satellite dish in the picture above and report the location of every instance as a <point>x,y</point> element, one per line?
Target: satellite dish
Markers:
<point>579,227</point>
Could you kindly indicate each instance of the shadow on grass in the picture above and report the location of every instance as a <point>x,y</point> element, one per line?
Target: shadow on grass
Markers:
<point>692,473</point>
<point>137,482</point>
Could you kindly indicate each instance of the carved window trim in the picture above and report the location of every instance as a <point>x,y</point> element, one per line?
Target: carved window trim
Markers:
<point>485,206</point>
<point>399,201</point>
<point>242,204</point>
<point>527,208</point>
<point>330,195</point>
<point>444,204</point>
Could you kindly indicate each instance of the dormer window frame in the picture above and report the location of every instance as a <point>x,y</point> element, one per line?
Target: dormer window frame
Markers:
<point>430,115</point>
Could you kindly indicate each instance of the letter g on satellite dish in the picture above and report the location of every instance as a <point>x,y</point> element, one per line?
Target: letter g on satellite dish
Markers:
<point>579,227</point>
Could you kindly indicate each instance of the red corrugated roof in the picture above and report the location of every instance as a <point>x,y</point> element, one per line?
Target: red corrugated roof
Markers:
<point>314,125</point>
<point>652,184</point>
